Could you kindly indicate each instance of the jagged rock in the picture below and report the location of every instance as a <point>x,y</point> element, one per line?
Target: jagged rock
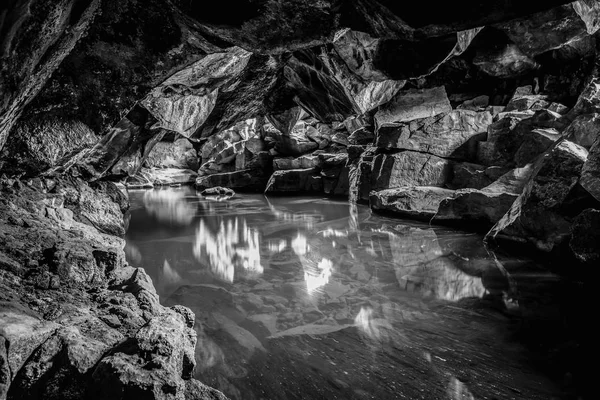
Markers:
<point>483,208</point>
<point>195,390</point>
<point>444,135</point>
<point>218,191</point>
<point>479,103</point>
<point>584,129</point>
<point>38,145</point>
<point>293,146</point>
<point>524,99</point>
<point>528,137</point>
<point>409,168</point>
<point>475,176</point>
<point>307,161</point>
<point>412,104</point>
<point>360,177</point>
<point>537,215</point>
<point>178,154</point>
<point>250,180</point>
<point>295,180</point>
<point>285,121</point>
<point>504,61</point>
<point>585,237</point>
<point>335,174</point>
<point>588,101</point>
<point>590,173</point>
<point>166,343</point>
<point>419,202</point>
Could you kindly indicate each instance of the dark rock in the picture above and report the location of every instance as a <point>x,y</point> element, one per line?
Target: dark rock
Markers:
<point>307,161</point>
<point>38,145</point>
<point>483,208</point>
<point>420,202</point>
<point>584,130</point>
<point>468,175</point>
<point>409,168</point>
<point>248,180</point>
<point>151,177</point>
<point>295,180</point>
<point>285,121</point>
<point>539,215</point>
<point>590,173</point>
<point>585,237</point>
<point>444,135</point>
<point>413,104</point>
<point>293,146</point>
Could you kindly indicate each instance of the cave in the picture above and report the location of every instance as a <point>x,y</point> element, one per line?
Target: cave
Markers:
<point>266,199</point>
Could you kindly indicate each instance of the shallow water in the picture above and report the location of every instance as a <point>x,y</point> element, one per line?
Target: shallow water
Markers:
<point>311,298</point>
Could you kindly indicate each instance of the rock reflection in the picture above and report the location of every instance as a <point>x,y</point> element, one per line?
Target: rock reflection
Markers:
<point>169,206</point>
<point>318,277</point>
<point>233,246</point>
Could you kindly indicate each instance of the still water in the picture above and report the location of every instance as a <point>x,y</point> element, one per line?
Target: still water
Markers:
<point>312,298</point>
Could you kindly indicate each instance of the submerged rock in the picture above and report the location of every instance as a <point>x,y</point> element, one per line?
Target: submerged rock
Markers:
<point>218,191</point>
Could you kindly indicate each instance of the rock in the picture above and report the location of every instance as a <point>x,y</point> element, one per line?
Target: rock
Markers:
<point>178,154</point>
<point>585,237</point>
<point>445,135</point>
<point>285,121</point>
<point>584,130</point>
<point>195,390</point>
<point>503,61</point>
<point>150,177</point>
<point>218,191</point>
<point>295,180</point>
<point>590,173</point>
<point>588,101</point>
<point>153,365</point>
<point>537,215</point>
<point>40,144</point>
<point>420,202</point>
<point>250,180</point>
<point>524,100</point>
<point>534,144</point>
<point>360,177</point>
<point>478,103</point>
<point>306,161</point>
<point>483,208</point>
<point>413,104</point>
<point>292,146</point>
<point>409,168</point>
<point>474,176</point>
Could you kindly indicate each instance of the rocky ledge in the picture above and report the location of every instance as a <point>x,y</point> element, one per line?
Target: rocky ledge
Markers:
<point>76,321</point>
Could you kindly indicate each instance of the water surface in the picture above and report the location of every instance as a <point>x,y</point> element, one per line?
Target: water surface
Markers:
<point>312,298</point>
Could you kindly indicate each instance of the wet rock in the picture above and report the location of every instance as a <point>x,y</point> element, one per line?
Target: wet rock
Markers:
<point>445,135</point>
<point>414,202</point>
<point>584,130</point>
<point>40,144</point>
<point>409,168</point>
<point>250,180</point>
<point>590,173</point>
<point>295,180</point>
<point>413,104</point>
<point>218,191</point>
<point>585,237</point>
<point>537,215</point>
<point>178,154</point>
<point>360,177</point>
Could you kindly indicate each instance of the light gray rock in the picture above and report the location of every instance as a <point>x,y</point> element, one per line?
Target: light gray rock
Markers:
<point>412,104</point>
<point>409,168</point>
<point>419,202</point>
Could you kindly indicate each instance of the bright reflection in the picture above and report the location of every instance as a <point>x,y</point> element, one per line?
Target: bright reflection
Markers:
<point>169,206</point>
<point>320,277</point>
<point>364,321</point>
<point>275,246</point>
<point>458,390</point>
<point>300,245</point>
<point>170,276</point>
<point>329,232</point>
<point>233,245</point>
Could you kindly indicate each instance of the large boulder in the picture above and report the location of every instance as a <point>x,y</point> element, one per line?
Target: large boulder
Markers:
<point>248,179</point>
<point>177,154</point>
<point>590,173</point>
<point>483,208</point>
<point>584,130</point>
<point>409,168</point>
<point>412,104</point>
<point>540,215</point>
<point>420,202</point>
<point>445,135</point>
<point>37,145</point>
<point>295,181</point>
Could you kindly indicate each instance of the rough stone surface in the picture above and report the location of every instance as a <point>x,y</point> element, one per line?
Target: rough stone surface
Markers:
<point>445,135</point>
<point>413,104</point>
<point>178,154</point>
<point>295,181</point>
<point>413,201</point>
<point>409,168</point>
<point>590,173</point>
<point>585,237</point>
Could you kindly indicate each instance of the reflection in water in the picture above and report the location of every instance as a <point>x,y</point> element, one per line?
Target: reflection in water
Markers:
<point>318,277</point>
<point>169,206</point>
<point>288,288</point>
<point>233,245</point>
